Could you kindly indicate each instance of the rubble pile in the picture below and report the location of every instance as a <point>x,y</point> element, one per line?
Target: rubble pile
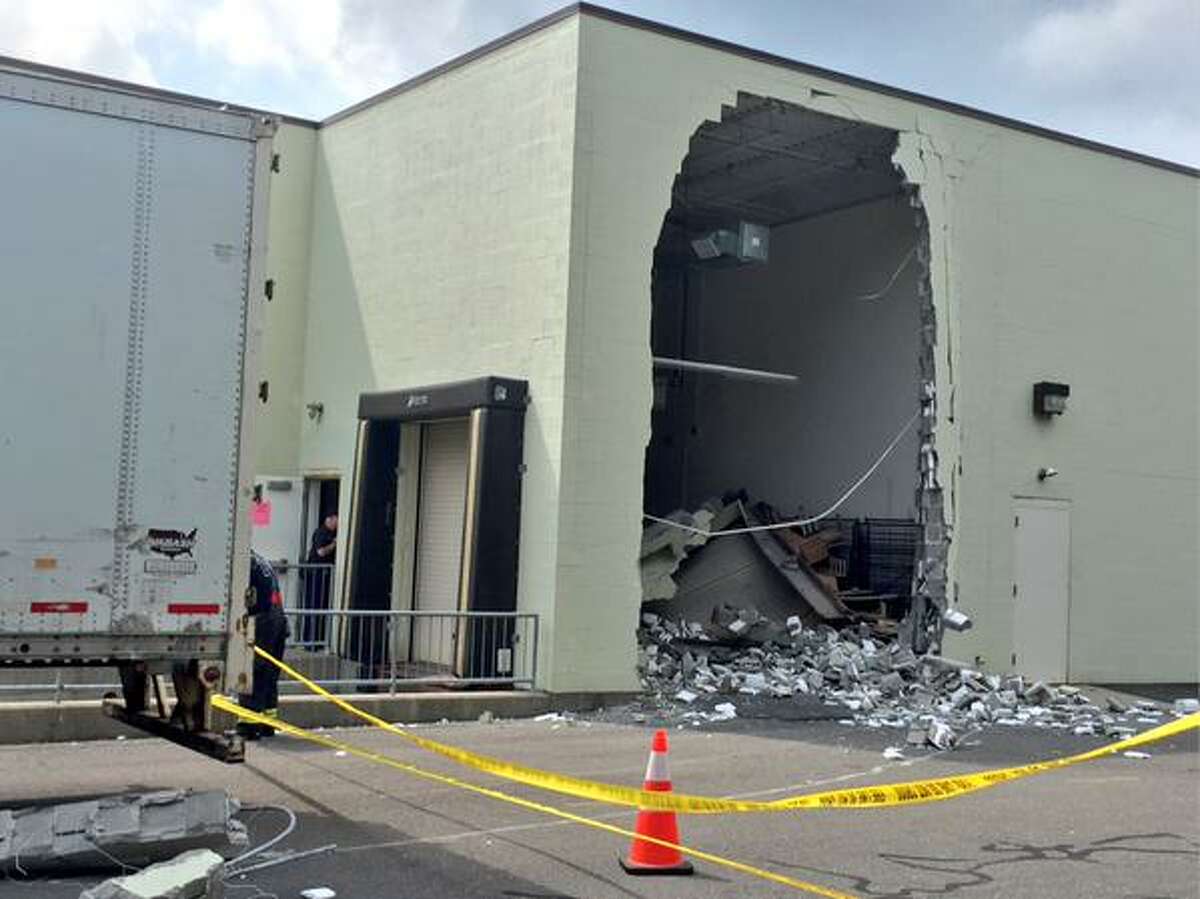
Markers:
<point>696,672</point>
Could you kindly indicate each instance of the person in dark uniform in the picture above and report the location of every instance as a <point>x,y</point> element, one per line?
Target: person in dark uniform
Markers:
<point>322,554</point>
<point>271,633</point>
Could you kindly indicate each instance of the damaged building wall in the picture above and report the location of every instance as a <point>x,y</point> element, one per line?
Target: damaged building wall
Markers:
<point>811,311</point>
<point>642,95</point>
<point>1033,272</point>
<point>441,219</point>
<point>1082,270</point>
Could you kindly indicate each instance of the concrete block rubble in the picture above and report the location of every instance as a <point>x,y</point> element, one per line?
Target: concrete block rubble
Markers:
<point>699,672</point>
<point>197,874</point>
<point>137,830</point>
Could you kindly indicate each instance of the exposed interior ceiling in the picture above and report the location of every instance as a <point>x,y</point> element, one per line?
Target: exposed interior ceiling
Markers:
<point>772,162</point>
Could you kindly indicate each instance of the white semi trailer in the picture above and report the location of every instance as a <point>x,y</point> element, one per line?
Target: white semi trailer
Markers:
<point>132,244</point>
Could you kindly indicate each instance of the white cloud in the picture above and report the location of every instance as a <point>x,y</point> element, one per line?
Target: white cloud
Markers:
<point>98,37</point>
<point>1091,45</point>
<point>1123,71</point>
<point>349,48</point>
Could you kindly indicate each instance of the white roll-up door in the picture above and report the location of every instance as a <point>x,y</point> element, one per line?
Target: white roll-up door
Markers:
<point>441,514</point>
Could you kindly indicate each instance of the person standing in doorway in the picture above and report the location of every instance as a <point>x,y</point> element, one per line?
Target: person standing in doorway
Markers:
<point>322,554</point>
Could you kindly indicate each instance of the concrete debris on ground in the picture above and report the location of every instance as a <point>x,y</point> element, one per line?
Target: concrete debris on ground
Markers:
<point>193,875</point>
<point>132,830</point>
<point>694,673</point>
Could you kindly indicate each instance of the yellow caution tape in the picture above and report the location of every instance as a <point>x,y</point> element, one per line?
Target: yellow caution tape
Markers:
<point>225,705</point>
<point>908,793</point>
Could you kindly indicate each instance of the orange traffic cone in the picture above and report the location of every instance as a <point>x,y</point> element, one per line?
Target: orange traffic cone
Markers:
<point>651,858</point>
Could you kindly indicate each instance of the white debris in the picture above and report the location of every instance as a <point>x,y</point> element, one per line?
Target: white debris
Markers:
<point>340,753</point>
<point>723,711</point>
<point>1134,754</point>
<point>318,893</point>
<point>486,717</point>
<point>893,753</point>
<point>1187,706</point>
<point>550,716</point>
<point>941,735</point>
<point>876,683</point>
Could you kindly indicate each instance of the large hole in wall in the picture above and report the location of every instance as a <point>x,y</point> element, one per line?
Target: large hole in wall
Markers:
<point>792,339</point>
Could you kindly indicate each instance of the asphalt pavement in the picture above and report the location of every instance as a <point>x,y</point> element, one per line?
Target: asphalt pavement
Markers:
<point>1117,827</point>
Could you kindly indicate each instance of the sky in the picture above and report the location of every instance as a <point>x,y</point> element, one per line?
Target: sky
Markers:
<point>1123,72</point>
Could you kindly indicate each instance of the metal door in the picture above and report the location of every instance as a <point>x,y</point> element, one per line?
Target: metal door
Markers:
<point>441,517</point>
<point>1041,587</point>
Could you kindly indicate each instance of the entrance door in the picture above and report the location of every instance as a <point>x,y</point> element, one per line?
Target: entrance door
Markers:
<point>1041,587</point>
<point>441,517</point>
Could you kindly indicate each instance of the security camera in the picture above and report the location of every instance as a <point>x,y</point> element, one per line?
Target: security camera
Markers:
<point>1045,473</point>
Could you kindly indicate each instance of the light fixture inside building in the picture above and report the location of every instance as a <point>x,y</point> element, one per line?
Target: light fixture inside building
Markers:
<point>1050,398</point>
<point>750,243</point>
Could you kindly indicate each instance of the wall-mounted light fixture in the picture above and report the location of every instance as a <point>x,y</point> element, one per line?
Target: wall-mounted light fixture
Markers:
<point>1044,474</point>
<point>1050,398</point>
<point>315,410</point>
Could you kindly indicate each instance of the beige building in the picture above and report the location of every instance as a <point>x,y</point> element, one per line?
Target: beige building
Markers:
<point>529,212</point>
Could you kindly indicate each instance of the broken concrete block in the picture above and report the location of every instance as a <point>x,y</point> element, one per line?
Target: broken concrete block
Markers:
<point>903,658</point>
<point>686,696</point>
<point>941,735</point>
<point>956,620</point>
<point>1187,706</point>
<point>916,736</point>
<point>962,697</point>
<point>893,753</point>
<point>794,626</point>
<point>193,875</point>
<point>724,711</point>
<point>891,684</point>
<point>137,829</point>
<point>1039,693</point>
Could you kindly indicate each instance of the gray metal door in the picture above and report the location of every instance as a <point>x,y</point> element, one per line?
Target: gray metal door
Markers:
<point>1041,587</point>
<point>441,517</point>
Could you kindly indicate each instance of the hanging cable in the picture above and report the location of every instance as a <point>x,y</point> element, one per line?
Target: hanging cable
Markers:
<point>275,840</point>
<point>882,292</point>
<point>799,522</point>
